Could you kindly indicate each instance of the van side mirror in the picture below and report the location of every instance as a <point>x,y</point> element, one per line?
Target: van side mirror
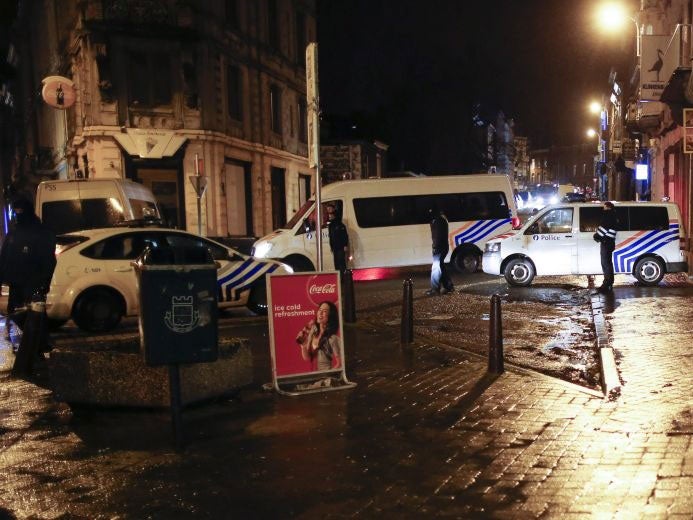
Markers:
<point>308,225</point>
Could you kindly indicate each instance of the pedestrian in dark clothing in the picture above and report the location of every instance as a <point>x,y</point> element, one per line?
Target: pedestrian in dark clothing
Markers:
<point>606,236</point>
<point>440,279</point>
<point>27,258</point>
<point>339,238</point>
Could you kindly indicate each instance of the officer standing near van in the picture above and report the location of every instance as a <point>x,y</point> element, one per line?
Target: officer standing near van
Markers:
<point>606,236</point>
<point>27,259</point>
<point>440,279</point>
<point>339,238</point>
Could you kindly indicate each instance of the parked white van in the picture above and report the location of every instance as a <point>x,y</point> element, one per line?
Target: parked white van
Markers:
<point>73,205</point>
<point>388,221</point>
<point>558,240</point>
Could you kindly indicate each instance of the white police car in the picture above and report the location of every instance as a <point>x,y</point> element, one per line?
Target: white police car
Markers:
<point>95,284</point>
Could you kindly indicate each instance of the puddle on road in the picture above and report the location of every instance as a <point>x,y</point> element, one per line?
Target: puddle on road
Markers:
<point>549,330</point>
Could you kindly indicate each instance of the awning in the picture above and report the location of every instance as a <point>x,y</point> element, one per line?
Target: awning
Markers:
<point>150,143</point>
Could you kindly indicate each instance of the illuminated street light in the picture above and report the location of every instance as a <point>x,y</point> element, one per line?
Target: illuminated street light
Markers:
<point>612,16</point>
<point>595,107</point>
<point>591,132</point>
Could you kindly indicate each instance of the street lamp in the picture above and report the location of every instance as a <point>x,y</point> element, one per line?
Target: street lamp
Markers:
<point>591,133</point>
<point>612,16</point>
<point>595,107</point>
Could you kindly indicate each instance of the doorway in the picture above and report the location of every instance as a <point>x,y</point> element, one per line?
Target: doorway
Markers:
<point>278,198</point>
<point>239,199</point>
<point>165,187</point>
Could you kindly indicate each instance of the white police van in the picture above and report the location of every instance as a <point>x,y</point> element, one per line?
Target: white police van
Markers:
<point>559,241</point>
<point>388,221</point>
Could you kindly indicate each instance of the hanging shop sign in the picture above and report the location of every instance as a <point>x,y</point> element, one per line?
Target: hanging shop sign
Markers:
<point>58,92</point>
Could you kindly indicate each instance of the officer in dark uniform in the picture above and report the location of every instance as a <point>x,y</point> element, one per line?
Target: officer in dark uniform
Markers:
<point>606,236</point>
<point>27,259</point>
<point>339,238</point>
<point>440,279</point>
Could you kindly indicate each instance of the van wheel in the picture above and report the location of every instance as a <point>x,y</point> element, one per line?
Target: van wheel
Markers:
<point>257,301</point>
<point>299,263</point>
<point>649,271</point>
<point>519,272</point>
<point>466,261</point>
<point>98,310</point>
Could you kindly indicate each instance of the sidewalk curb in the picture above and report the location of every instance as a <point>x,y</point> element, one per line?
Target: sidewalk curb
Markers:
<point>611,382</point>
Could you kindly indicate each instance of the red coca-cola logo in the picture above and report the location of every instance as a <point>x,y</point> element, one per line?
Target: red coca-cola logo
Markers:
<point>328,288</point>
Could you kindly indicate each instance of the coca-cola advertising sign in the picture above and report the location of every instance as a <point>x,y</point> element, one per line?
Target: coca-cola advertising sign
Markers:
<point>305,323</point>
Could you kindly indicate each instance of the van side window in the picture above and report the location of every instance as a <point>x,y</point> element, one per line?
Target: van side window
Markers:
<point>589,218</point>
<point>338,209</point>
<point>641,218</point>
<point>408,210</point>
<point>559,220</point>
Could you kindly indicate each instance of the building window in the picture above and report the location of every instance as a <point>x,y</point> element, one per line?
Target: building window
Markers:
<point>276,108</point>
<point>156,88</point>
<point>301,42</point>
<point>302,120</point>
<point>234,92</point>
<point>273,24</point>
<point>232,17</point>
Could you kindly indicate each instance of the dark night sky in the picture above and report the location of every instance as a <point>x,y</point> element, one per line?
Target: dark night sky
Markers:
<point>417,67</point>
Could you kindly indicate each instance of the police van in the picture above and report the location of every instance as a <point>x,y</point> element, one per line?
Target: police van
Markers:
<point>558,240</point>
<point>388,221</point>
<point>77,204</point>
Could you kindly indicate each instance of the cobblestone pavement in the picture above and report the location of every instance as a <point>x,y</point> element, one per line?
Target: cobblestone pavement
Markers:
<point>427,432</point>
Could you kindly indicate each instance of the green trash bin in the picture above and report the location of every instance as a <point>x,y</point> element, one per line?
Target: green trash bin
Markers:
<point>178,305</point>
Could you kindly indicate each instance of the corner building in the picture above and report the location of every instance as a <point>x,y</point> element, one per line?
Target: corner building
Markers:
<point>161,82</point>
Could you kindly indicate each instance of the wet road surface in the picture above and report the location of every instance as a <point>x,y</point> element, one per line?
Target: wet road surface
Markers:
<point>427,432</point>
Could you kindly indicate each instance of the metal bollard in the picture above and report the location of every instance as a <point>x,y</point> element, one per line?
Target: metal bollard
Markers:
<point>34,339</point>
<point>349,301</point>
<point>407,323</point>
<point>495,338</point>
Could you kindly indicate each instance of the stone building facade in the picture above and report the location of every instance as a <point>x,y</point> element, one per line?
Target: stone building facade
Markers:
<point>162,83</point>
<point>348,160</point>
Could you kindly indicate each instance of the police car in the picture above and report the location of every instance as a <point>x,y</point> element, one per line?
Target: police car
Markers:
<point>95,283</point>
<point>558,240</point>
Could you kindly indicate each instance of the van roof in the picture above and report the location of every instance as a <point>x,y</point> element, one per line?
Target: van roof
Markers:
<point>486,181</point>
<point>67,181</point>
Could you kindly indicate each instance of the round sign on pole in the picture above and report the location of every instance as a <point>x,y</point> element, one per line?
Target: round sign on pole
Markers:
<point>58,92</point>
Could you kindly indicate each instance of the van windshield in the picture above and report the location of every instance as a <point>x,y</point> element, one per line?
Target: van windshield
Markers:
<point>64,216</point>
<point>300,214</point>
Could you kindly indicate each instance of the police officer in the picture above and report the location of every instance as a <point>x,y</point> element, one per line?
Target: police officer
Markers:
<point>339,238</point>
<point>27,259</point>
<point>440,279</point>
<point>606,236</point>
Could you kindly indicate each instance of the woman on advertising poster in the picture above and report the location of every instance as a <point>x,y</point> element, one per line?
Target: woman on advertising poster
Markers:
<point>318,339</point>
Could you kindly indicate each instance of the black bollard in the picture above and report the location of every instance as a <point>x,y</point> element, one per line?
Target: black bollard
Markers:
<point>495,337</point>
<point>407,323</point>
<point>349,301</point>
<point>34,339</point>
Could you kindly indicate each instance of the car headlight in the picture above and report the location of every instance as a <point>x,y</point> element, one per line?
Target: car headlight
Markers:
<point>262,249</point>
<point>554,200</point>
<point>492,247</point>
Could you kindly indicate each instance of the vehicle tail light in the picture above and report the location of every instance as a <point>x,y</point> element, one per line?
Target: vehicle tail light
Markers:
<point>516,222</point>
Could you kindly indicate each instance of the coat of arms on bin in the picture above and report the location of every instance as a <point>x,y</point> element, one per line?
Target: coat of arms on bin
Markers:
<point>182,317</point>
